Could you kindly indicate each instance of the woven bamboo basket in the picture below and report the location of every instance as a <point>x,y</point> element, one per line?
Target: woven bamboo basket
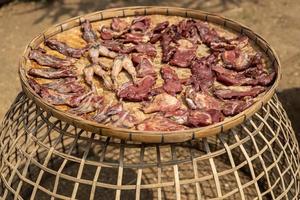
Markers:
<point>42,157</point>
<point>152,137</point>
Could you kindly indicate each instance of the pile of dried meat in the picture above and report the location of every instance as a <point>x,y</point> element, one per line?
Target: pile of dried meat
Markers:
<point>222,82</point>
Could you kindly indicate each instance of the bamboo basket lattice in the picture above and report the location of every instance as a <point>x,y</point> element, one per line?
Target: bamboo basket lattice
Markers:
<point>151,137</point>
<point>43,157</point>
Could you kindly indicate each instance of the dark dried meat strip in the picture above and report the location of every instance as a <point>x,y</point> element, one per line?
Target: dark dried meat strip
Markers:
<point>141,23</point>
<point>172,83</point>
<point>199,118</point>
<point>137,92</point>
<point>52,73</point>
<point>44,59</point>
<point>202,76</point>
<point>230,77</point>
<point>64,49</point>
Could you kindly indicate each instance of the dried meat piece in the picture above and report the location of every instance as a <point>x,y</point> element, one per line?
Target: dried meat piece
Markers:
<point>113,45</point>
<point>119,25</point>
<point>145,48</point>
<point>169,36</point>
<point>106,33</point>
<point>172,84</point>
<point>236,59</point>
<point>202,76</point>
<point>221,46</point>
<point>89,104</point>
<point>56,98</point>
<point>164,103</point>
<point>160,123</point>
<point>66,85</point>
<point>141,23</point>
<point>160,27</point>
<point>64,49</point>
<point>208,35</point>
<point>248,92</point>
<point>234,107</point>
<point>125,119</point>
<point>135,38</point>
<point>144,66</point>
<point>199,118</point>
<point>87,32</point>
<point>44,59</point>
<point>180,116</point>
<point>137,92</point>
<point>52,73</point>
<point>202,100</point>
<point>184,54</point>
<point>256,77</point>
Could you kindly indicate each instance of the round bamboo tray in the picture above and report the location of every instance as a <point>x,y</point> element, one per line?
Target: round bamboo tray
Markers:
<point>150,136</point>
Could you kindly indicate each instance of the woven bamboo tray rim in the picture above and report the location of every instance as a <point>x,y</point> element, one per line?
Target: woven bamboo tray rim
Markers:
<point>151,136</point>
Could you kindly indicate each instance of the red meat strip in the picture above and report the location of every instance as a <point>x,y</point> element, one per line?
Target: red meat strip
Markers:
<point>184,54</point>
<point>160,123</point>
<point>64,49</point>
<point>208,35</point>
<point>229,94</point>
<point>140,24</point>
<point>221,46</point>
<point>172,84</point>
<point>255,77</point>
<point>134,38</point>
<point>202,76</point>
<point>145,48</point>
<point>52,73</point>
<point>113,45</point>
<point>44,59</point>
<point>168,36</point>
<point>87,32</point>
<point>157,31</point>
<point>137,92</point>
<point>160,27</point>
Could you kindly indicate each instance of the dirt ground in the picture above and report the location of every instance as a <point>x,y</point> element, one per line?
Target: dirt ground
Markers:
<point>277,21</point>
